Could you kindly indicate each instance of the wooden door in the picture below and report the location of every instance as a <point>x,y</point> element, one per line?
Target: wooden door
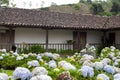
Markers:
<point>80,40</point>
<point>6,39</point>
<point>111,39</point>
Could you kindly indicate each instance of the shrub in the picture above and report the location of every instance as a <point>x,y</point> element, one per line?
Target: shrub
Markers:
<point>11,63</point>
<point>36,49</point>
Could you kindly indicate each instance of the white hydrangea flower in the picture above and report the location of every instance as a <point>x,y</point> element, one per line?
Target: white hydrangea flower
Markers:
<point>41,77</point>
<point>48,54</point>
<point>117,60</point>
<point>1,78</point>
<point>102,77</point>
<point>111,54</point>
<point>32,54</point>
<point>83,50</point>
<point>117,70</point>
<point>21,73</point>
<point>15,54</point>
<point>115,63</point>
<point>2,54</point>
<point>4,76</point>
<point>112,48</point>
<point>39,57</point>
<point>55,56</point>
<point>19,58</point>
<point>117,76</point>
<point>66,65</point>
<point>92,48</point>
<point>25,56</point>
<point>89,57</point>
<point>114,58</point>
<point>4,50</point>
<point>98,65</point>
<point>33,63</point>
<point>106,61</point>
<point>52,64</point>
<point>88,63</point>
<point>39,71</point>
<point>1,57</point>
<point>7,54</point>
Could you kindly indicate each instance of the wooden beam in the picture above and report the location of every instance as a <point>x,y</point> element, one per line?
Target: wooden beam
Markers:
<point>46,39</point>
<point>10,36</point>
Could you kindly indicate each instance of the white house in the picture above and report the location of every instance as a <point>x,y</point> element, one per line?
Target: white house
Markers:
<point>54,29</point>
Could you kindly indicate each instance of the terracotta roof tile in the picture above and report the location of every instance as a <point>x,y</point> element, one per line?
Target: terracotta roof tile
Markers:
<point>46,19</point>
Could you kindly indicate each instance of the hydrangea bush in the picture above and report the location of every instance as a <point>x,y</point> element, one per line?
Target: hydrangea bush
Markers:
<point>51,66</point>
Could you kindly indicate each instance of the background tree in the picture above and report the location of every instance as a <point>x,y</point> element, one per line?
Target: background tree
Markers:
<point>97,8</point>
<point>81,1</point>
<point>89,1</point>
<point>115,9</point>
<point>4,3</point>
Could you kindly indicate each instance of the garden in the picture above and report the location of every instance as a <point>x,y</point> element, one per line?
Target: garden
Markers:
<point>104,65</point>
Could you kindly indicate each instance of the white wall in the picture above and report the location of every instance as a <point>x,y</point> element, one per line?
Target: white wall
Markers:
<point>60,36</point>
<point>29,35</point>
<point>36,35</point>
<point>94,36</point>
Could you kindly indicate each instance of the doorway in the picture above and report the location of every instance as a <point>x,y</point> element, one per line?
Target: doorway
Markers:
<point>80,40</point>
<point>5,39</point>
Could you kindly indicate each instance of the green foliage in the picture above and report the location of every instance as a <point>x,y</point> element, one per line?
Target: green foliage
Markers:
<point>33,49</point>
<point>46,58</point>
<point>45,9</point>
<point>36,49</point>
<point>52,50</point>
<point>11,63</point>
<point>105,14</point>
<point>77,6</point>
<point>9,72</point>
<point>115,7</point>
<point>25,51</point>
<point>97,8</point>
<point>4,2</point>
<point>70,41</point>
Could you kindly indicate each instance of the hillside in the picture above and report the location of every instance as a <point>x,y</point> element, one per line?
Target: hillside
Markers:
<point>108,8</point>
<point>80,8</point>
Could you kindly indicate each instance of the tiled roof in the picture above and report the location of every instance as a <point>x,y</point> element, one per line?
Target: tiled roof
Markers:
<point>45,19</point>
<point>113,23</point>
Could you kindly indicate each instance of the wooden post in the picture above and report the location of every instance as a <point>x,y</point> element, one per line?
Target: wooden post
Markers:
<point>104,39</point>
<point>46,39</point>
<point>10,36</point>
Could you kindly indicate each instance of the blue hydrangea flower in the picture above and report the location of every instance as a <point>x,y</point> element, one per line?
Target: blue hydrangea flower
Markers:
<point>39,57</point>
<point>86,70</point>
<point>21,73</point>
<point>52,64</point>
<point>109,69</point>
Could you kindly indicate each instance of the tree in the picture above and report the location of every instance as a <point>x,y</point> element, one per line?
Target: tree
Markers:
<point>115,7</point>
<point>4,3</point>
<point>97,8</point>
<point>89,1</point>
<point>81,1</point>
